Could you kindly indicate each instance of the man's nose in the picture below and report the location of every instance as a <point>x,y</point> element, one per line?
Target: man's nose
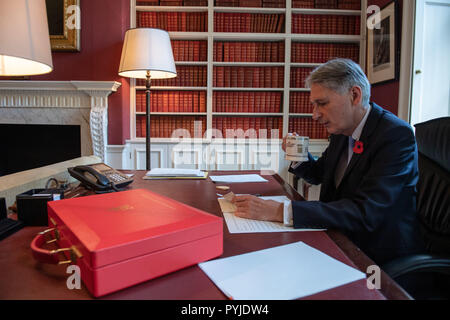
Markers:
<point>316,113</point>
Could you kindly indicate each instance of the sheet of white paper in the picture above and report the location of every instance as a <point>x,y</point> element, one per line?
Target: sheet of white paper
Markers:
<point>242,225</point>
<point>174,172</point>
<point>238,178</point>
<point>285,272</point>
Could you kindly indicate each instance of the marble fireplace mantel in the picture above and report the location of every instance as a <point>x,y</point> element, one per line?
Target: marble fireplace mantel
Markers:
<point>83,103</point>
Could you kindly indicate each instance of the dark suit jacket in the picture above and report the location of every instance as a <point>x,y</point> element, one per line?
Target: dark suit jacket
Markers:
<point>375,203</point>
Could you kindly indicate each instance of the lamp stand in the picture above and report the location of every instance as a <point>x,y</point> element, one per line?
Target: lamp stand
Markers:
<point>147,117</point>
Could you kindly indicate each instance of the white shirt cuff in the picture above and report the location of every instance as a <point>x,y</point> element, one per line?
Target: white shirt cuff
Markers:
<point>295,164</point>
<point>287,214</point>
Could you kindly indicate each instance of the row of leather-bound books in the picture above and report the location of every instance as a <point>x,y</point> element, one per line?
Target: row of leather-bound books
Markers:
<point>322,52</point>
<point>298,77</point>
<point>217,3</point>
<point>173,21</point>
<point>187,76</point>
<point>262,51</point>
<point>251,3</point>
<point>325,24</point>
<point>189,50</point>
<point>328,4</point>
<point>318,4</point>
<point>172,101</point>
<point>249,127</point>
<point>171,126</point>
<point>306,126</point>
<point>177,3</point>
<point>248,77</point>
<point>270,51</point>
<point>223,101</point>
<point>247,101</point>
<point>248,22</point>
<point>248,51</point>
<point>228,127</point>
<point>299,102</point>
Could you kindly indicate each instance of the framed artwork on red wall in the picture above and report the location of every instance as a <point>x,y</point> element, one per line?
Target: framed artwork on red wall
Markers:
<point>382,47</point>
<point>64,18</point>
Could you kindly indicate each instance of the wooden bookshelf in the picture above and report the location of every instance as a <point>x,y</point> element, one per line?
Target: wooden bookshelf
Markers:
<point>242,63</point>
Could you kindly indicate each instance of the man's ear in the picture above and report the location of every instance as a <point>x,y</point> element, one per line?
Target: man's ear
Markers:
<point>356,95</point>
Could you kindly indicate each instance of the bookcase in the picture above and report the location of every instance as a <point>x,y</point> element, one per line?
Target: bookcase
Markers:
<point>241,68</point>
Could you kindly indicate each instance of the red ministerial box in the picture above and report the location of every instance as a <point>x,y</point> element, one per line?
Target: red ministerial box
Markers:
<point>124,238</point>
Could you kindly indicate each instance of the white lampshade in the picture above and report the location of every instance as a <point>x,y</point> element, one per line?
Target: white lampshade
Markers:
<point>147,49</point>
<point>24,38</point>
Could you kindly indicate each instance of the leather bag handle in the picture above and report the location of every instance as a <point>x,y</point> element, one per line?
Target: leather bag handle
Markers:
<point>49,256</point>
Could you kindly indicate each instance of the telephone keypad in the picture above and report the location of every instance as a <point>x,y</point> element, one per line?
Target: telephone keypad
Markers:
<point>115,177</point>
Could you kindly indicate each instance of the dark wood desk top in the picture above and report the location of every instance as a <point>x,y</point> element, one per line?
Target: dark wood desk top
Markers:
<point>24,278</point>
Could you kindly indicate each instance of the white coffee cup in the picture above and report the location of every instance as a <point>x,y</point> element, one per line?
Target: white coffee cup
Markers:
<point>296,148</point>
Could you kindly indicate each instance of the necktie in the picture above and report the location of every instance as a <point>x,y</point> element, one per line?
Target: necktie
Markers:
<point>344,161</point>
<point>351,142</point>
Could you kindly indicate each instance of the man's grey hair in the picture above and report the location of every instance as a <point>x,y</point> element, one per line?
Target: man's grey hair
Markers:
<point>340,75</point>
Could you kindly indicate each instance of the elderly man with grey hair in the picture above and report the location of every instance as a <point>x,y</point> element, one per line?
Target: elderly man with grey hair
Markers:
<point>368,173</point>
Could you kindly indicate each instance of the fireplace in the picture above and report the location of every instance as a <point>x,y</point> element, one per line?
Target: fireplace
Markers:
<point>29,146</point>
<point>67,103</point>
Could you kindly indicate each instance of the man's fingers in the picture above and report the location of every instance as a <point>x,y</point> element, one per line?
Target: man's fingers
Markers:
<point>242,198</point>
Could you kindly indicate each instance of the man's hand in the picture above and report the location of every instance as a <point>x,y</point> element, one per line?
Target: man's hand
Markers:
<point>252,207</point>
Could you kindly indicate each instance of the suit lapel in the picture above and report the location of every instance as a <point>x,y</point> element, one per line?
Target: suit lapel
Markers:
<point>370,126</point>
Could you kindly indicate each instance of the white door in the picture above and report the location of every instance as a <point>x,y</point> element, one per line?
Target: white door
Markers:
<point>431,68</point>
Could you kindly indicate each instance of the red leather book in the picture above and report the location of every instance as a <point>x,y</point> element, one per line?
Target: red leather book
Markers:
<point>138,126</point>
<point>186,102</point>
<point>216,51</point>
<point>195,101</point>
<point>226,51</point>
<point>233,102</point>
<point>177,47</point>
<point>240,125</point>
<point>216,22</point>
<point>218,98</point>
<point>224,77</point>
<point>164,107</point>
<point>202,101</point>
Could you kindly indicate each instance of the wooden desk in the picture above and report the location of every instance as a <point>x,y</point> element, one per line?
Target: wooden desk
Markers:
<point>23,278</point>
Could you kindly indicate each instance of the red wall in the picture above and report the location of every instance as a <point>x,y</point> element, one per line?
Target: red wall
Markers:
<point>386,95</point>
<point>103,26</point>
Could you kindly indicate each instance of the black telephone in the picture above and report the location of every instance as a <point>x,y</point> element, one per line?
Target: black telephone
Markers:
<point>100,177</point>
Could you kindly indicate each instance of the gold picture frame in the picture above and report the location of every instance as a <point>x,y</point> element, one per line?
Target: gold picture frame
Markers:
<point>64,24</point>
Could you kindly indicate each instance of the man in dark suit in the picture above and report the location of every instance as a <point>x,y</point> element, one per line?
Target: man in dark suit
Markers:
<point>368,173</point>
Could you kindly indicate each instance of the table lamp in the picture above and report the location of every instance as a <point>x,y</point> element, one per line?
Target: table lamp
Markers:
<point>147,54</point>
<point>24,38</point>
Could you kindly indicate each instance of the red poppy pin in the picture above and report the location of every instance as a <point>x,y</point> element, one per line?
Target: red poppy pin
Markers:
<point>359,147</point>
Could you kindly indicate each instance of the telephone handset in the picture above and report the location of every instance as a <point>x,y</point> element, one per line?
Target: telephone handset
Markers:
<point>100,177</point>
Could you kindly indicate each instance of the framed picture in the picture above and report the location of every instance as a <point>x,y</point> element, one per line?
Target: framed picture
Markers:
<point>64,24</point>
<point>382,57</point>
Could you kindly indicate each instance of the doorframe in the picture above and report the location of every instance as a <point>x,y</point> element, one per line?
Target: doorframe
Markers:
<point>406,60</point>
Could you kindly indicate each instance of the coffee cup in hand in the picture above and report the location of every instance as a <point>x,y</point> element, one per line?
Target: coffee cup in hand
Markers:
<point>296,148</point>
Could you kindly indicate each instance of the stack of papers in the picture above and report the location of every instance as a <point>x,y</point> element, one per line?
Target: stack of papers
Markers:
<point>289,271</point>
<point>238,178</point>
<point>172,173</point>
